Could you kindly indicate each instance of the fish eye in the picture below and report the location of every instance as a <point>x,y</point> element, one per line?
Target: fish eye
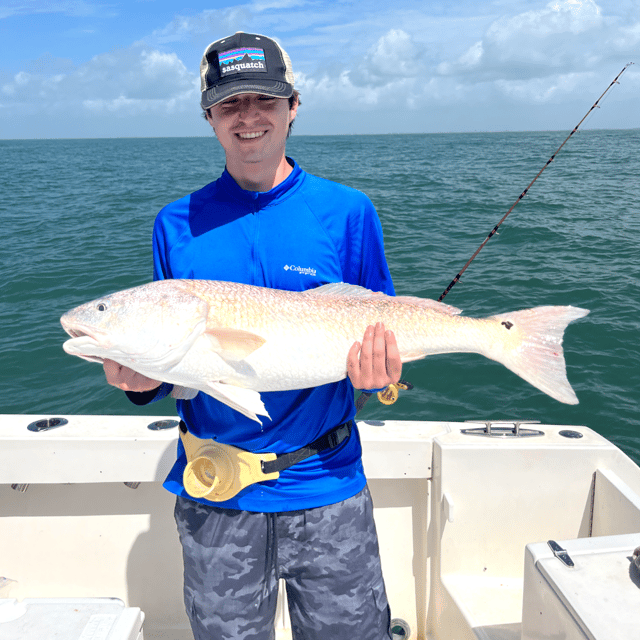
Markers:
<point>101,306</point>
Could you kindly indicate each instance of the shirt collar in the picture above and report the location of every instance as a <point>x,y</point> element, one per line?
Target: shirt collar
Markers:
<point>262,199</point>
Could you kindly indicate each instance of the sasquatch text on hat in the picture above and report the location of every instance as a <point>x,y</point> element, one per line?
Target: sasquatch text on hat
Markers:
<point>243,66</point>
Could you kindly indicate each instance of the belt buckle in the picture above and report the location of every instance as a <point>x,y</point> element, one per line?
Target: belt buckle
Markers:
<point>334,439</point>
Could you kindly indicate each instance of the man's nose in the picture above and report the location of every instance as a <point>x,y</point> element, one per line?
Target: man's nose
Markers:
<point>248,108</point>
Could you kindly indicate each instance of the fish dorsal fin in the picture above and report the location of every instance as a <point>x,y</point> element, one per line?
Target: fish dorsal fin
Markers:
<point>353,290</point>
<point>430,304</point>
<point>234,344</point>
<point>341,289</point>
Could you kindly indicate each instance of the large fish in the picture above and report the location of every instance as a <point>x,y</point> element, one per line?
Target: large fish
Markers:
<point>232,340</point>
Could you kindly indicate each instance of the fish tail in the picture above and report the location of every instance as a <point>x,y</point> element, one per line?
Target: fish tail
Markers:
<point>533,348</point>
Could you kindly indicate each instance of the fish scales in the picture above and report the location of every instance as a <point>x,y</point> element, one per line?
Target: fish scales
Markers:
<point>233,340</point>
<point>324,328</point>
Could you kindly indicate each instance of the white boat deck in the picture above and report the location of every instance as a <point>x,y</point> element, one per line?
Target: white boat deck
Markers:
<point>457,517</point>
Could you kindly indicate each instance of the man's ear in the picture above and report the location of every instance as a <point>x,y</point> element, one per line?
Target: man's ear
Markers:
<point>293,111</point>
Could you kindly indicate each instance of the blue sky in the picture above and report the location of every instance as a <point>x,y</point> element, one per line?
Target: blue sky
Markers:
<point>84,68</point>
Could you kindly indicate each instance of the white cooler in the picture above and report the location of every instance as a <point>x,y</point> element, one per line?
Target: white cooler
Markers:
<point>69,619</point>
<point>598,598</point>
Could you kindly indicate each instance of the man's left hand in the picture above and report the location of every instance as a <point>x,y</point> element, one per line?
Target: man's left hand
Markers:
<point>374,364</point>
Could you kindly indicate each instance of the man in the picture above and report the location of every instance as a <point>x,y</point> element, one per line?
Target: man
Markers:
<point>266,222</point>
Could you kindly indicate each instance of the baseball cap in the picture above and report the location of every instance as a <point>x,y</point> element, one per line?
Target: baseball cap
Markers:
<point>244,63</point>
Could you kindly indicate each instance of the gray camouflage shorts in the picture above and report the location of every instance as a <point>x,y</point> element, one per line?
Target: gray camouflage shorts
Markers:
<point>327,556</point>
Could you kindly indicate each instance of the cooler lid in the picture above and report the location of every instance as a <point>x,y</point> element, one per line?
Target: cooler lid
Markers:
<point>73,619</point>
<point>602,589</point>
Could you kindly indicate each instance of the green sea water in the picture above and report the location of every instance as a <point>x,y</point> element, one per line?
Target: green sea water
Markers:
<point>76,219</point>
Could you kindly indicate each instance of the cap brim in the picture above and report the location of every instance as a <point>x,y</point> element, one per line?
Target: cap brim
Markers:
<point>221,92</point>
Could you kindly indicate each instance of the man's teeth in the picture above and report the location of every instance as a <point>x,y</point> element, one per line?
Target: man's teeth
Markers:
<point>248,136</point>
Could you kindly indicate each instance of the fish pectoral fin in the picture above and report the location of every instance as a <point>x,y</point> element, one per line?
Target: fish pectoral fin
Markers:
<point>245,401</point>
<point>234,344</point>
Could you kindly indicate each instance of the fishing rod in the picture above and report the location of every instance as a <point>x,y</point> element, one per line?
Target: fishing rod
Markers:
<point>390,394</point>
<point>524,193</point>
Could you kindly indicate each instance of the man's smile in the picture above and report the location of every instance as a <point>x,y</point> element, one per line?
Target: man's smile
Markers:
<point>249,136</point>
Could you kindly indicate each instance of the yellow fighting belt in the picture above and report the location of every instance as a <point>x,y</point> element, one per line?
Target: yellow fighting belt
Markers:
<point>217,471</point>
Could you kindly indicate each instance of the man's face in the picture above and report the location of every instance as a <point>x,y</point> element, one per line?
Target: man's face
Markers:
<point>252,127</point>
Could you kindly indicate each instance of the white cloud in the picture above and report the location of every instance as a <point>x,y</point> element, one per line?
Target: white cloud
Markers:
<point>535,43</point>
<point>559,16</point>
<point>211,23</point>
<point>264,5</point>
<point>18,85</point>
<point>538,56</point>
<point>76,8</point>
<point>125,80</point>
<point>545,54</point>
<point>135,80</point>
<point>388,73</point>
<point>393,57</point>
<point>351,57</point>
<point>541,90</point>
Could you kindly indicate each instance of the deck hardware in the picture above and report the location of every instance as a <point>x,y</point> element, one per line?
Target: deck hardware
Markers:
<point>46,424</point>
<point>448,507</point>
<point>400,629</point>
<point>132,485</point>
<point>503,429</point>
<point>570,433</point>
<point>560,553</point>
<point>161,425</point>
<point>373,423</point>
<point>21,488</point>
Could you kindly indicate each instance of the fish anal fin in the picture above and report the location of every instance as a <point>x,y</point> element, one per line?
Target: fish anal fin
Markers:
<point>234,344</point>
<point>183,393</point>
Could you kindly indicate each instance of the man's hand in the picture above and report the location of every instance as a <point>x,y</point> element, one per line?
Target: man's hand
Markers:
<point>376,363</point>
<point>127,379</point>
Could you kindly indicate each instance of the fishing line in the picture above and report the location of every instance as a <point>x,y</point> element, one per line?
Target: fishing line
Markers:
<point>524,193</point>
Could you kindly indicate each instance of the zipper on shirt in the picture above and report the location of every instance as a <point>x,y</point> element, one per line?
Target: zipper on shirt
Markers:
<point>254,244</point>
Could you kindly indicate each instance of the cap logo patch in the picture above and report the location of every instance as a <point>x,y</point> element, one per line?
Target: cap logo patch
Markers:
<point>239,60</point>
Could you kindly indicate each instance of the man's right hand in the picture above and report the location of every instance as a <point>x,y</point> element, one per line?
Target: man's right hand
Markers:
<point>127,379</point>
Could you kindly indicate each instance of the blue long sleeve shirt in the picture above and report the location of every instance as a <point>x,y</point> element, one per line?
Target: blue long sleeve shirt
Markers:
<point>304,233</point>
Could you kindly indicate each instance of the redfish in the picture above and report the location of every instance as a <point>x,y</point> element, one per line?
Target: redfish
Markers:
<point>233,341</point>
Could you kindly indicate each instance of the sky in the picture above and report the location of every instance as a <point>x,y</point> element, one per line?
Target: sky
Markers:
<point>130,68</point>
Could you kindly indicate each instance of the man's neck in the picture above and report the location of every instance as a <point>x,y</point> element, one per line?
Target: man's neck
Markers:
<point>257,177</point>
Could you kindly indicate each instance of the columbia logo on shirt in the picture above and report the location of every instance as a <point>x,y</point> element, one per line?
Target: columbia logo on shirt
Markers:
<point>305,271</point>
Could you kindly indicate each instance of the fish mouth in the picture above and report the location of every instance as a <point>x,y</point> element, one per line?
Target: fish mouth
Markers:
<point>84,342</point>
<point>77,334</point>
<point>79,330</point>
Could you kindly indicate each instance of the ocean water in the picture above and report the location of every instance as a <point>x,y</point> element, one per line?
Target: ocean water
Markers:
<point>77,215</point>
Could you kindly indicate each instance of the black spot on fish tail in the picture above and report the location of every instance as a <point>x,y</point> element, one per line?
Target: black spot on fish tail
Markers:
<point>508,325</point>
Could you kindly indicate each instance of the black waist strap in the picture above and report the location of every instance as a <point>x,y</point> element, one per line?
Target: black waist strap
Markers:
<point>329,440</point>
